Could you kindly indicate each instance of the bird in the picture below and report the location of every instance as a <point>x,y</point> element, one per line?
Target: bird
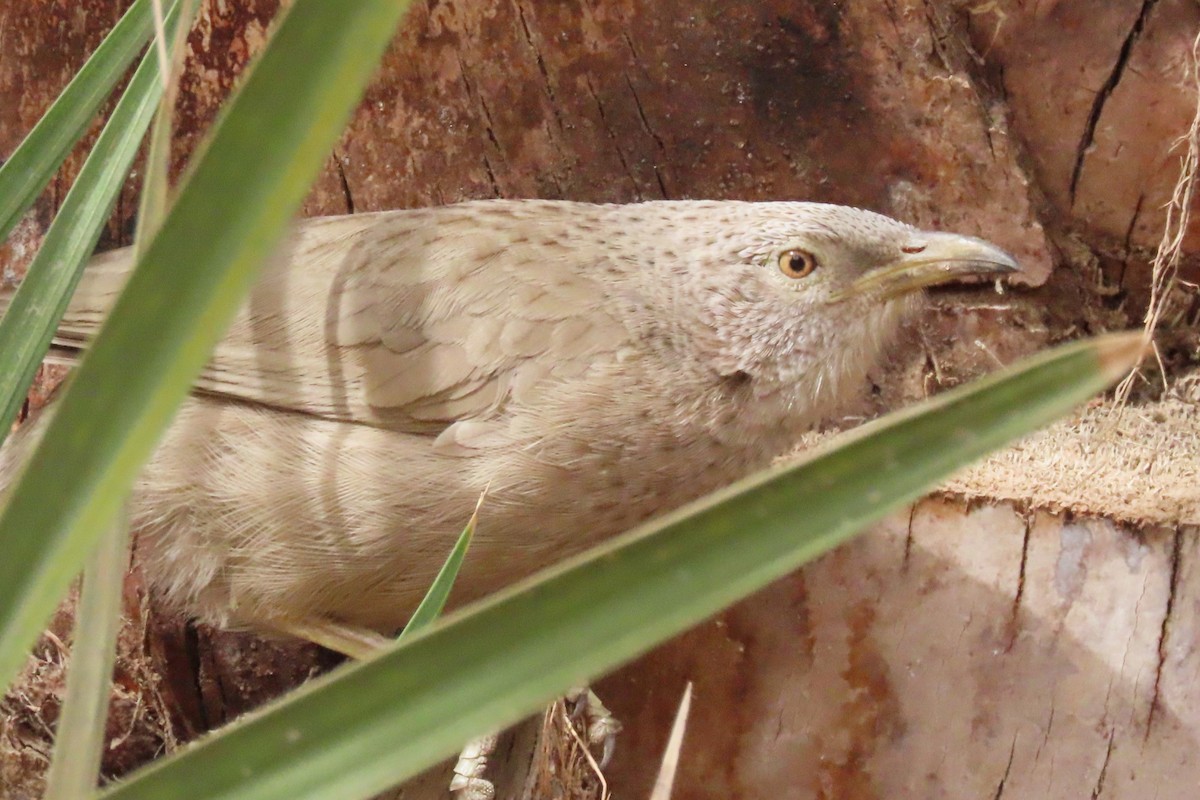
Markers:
<point>590,365</point>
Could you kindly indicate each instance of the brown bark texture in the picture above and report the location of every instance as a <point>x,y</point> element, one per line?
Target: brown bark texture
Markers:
<point>991,650</point>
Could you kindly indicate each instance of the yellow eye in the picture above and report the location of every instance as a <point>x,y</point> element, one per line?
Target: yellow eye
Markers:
<point>797,263</point>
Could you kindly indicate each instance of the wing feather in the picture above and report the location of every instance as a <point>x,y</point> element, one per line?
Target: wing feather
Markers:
<point>417,320</point>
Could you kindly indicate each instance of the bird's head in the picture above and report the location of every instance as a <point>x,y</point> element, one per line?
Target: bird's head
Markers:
<point>808,294</point>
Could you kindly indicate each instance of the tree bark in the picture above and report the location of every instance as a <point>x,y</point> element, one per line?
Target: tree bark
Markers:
<point>954,651</point>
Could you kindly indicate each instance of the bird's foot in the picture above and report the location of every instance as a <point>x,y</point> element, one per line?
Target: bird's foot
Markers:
<point>468,782</point>
<point>586,713</point>
<point>597,721</point>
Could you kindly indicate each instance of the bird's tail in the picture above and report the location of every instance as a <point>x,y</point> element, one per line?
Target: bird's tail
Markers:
<point>101,282</point>
<point>98,288</point>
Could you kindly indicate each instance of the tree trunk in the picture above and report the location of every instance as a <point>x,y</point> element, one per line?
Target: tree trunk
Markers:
<point>955,651</point>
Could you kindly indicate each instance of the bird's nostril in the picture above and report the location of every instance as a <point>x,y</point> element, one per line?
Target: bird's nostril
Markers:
<point>912,249</point>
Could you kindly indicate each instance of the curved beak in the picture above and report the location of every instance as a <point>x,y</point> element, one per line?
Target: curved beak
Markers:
<point>932,259</point>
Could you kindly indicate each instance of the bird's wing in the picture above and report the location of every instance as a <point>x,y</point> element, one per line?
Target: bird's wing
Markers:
<point>410,320</point>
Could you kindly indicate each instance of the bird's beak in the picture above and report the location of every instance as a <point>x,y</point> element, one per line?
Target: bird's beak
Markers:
<point>931,259</point>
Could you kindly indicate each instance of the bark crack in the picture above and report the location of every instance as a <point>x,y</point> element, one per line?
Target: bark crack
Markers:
<point>613,138</point>
<point>1164,631</point>
<point>1046,734</point>
<point>637,57</point>
<point>1105,91</point>
<point>491,175</point>
<point>908,536</point>
<point>662,186</point>
<point>1020,593</point>
<point>1099,787</point>
<point>337,160</point>
<point>1127,245</point>
<point>637,102</point>
<point>488,125</point>
<point>491,134</point>
<point>1012,751</point>
<point>548,90</point>
<point>191,649</point>
<point>541,65</point>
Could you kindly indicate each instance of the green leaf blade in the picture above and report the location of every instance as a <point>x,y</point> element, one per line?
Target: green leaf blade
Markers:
<point>79,735</point>
<point>38,157</point>
<point>373,724</point>
<point>38,304</point>
<point>232,209</point>
<point>435,598</point>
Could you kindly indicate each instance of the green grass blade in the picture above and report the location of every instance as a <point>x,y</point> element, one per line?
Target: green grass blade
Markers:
<point>79,740</point>
<point>155,199</point>
<point>79,735</point>
<point>232,209</point>
<point>38,304</point>
<point>374,723</point>
<point>34,162</point>
<point>439,591</point>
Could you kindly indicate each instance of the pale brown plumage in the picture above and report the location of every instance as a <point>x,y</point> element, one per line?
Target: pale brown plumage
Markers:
<point>595,365</point>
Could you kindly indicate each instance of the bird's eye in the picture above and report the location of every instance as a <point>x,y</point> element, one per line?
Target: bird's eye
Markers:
<point>797,263</point>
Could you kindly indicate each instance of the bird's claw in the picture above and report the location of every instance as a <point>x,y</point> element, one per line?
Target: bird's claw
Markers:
<point>468,782</point>
<point>586,712</point>
<point>600,725</point>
